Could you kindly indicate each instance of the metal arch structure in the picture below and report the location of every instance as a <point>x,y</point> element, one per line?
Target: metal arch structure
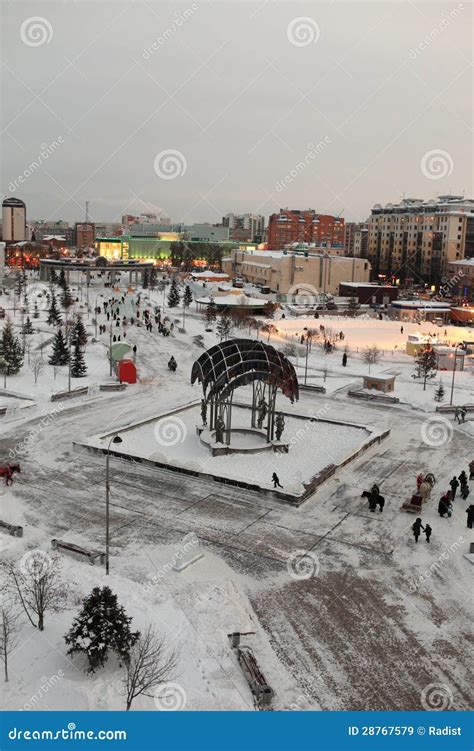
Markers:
<point>239,362</point>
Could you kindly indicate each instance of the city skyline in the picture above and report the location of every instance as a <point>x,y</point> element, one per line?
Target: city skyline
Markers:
<point>194,112</point>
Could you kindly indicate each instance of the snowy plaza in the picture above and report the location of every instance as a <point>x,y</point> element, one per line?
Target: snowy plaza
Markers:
<point>346,612</point>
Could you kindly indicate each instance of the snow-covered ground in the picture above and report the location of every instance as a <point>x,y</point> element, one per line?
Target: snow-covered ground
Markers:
<point>370,621</point>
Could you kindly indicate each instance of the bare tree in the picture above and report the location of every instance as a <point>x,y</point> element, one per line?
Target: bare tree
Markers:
<point>36,366</point>
<point>36,583</point>
<point>371,355</point>
<point>9,632</point>
<point>150,663</point>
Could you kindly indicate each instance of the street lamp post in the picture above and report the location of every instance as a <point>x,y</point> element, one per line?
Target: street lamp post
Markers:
<point>454,373</point>
<point>114,439</point>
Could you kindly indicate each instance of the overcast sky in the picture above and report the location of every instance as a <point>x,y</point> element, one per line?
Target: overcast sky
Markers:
<point>240,93</point>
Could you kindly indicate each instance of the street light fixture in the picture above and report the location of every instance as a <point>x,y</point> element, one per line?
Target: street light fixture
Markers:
<point>454,373</point>
<point>114,439</point>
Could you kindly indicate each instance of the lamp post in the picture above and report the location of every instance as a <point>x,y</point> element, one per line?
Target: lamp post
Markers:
<point>454,373</point>
<point>114,439</point>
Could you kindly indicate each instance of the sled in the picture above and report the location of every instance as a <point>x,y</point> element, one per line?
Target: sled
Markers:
<point>413,506</point>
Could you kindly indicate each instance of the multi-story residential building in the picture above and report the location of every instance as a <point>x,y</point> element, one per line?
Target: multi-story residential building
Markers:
<point>40,230</point>
<point>415,240</point>
<point>290,226</point>
<point>84,234</point>
<point>354,235</point>
<point>14,227</point>
<point>245,227</point>
<point>361,241</point>
<point>284,271</point>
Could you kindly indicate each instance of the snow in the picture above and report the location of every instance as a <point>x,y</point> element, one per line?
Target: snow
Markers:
<point>375,623</point>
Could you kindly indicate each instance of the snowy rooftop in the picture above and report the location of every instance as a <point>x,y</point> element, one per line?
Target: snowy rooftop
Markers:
<point>441,306</point>
<point>209,275</point>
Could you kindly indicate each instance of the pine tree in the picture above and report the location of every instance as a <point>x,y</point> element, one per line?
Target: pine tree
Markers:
<point>66,297</point>
<point>36,311</point>
<point>211,311</point>
<point>153,278</point>
<point>173,296</point>
<point>187,297</point>
<point>425,366</point>
<point>53,277</point>
<point>19,282</point>
<point>146,279</point>
<point>62,279</point>
<point>78,365</point>
<point>439,393</point>
<point>60,353</point>
<point>224,327</point>
<point>27,327</point>
<point>353,306</point>
<point>101,627</point>
<point>79,333</point>
<point>11,351</point>
<point>54,316</point>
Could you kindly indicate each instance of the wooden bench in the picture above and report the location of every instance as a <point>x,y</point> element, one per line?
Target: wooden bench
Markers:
<point>69,547</point>
<point>12,529</point>
<point>413,505</point>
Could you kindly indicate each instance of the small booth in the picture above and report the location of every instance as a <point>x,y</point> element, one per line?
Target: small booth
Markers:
<point>127,371</point>
<point>383,383</point>
<point>449,358</point>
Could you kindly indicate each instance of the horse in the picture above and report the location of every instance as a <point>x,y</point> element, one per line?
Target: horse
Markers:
<point>379,500</point>
<point>7,471</point>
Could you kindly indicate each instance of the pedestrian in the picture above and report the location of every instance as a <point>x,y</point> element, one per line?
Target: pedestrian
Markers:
<point>465,492</point>
<point>470,516</point>
<point>456,414</point>
<point>417,526</point>
<point>463,480</point>
<point>276,481</point>
<point>463,413</point>
<point>454,484</point>
<point>344,360</point>
<point>428,532</point>
<point>444,503</point>
<point>471,470</point>
<point>401,329</point>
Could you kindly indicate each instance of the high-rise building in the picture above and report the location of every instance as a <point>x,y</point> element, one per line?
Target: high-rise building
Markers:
<point>353,230</point>
<point>245,227</point>
<point>295,226</point>
<point>14,228</point>
<point>415,240</point>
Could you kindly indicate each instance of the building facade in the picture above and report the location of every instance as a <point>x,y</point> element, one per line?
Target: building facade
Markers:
<point>245,227</point>
<point>353,230</point>
<point>415,240</point>
<point>283,271</point>
<point>84,234</point>
<point>295,226</point>
<point>14,228</point>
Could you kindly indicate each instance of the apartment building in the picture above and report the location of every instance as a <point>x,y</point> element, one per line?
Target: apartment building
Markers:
<point>295,226</point>
<point>415,240</point>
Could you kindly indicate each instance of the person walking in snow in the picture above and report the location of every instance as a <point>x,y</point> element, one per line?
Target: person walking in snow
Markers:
<point>428,532</point>
<point>444,504</point>
<point>276,481</point>
<point>401,329</point>
<point>417,526</point>
<point>344,360</point>
<point>471,470</point>
<point>463,480</point>
<point>465,492</point>
<point>456,414</point>
<point>470,516</point>
<point>462,414</point>
<point>454,484</point>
